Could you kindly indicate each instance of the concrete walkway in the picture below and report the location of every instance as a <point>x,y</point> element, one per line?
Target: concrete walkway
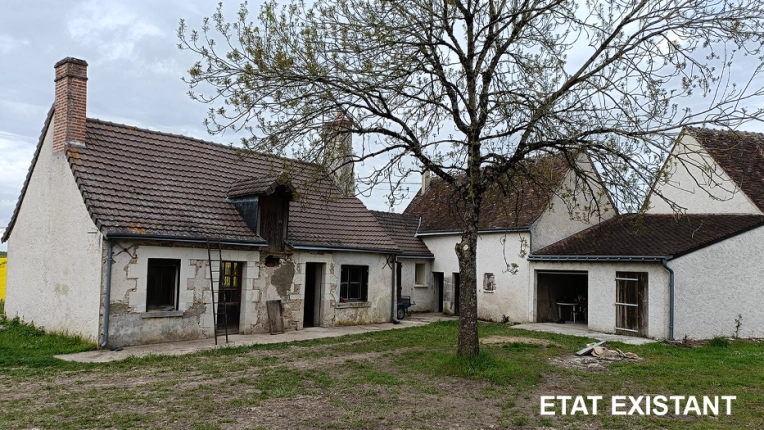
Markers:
<point>583,331</point>
<point>188,347</point>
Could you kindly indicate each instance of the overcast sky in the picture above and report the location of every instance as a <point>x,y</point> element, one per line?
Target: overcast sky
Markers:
<point>134,72</point>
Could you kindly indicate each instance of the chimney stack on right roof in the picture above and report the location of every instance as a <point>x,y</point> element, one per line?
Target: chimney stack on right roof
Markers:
<point>425,182</point>
<point>71,103</point>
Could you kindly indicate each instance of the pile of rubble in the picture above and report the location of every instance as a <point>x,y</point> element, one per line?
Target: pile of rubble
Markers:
<point>595,357</point>
<point>603,352</point>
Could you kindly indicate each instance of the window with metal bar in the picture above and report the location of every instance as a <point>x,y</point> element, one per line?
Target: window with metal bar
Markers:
<point>354,282</point>
<point>162,284</point>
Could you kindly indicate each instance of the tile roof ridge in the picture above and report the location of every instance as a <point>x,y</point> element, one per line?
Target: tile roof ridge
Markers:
<point>197,140</point>
<point>374,211</point>
<point>723,130</point>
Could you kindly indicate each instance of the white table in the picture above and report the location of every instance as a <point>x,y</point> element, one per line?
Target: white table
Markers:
<point>572,310</point>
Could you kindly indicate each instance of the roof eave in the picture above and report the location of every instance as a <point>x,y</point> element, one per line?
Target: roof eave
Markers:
<point>419,256</point>
<point>601,258</point>
<point>482,230</point>
<point>307,247</point>
<point>184,239</point>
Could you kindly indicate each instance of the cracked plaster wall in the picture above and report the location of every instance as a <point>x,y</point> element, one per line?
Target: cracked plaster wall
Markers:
<point>284,281</point>
<point>128,325</point>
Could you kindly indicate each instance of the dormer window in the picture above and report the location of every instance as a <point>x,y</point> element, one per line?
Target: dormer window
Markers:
<point>263,203</point>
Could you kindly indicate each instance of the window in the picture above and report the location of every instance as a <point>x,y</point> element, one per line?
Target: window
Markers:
<point>354,283</point>
<point>419,275</point>
<point>489,282</point>
<point>231,274</point>
<point>162,284</point>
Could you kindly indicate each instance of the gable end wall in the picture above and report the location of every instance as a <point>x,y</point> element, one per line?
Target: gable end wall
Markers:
<point>568,216</point>
<point>697,184</point>
<point>54,252</point>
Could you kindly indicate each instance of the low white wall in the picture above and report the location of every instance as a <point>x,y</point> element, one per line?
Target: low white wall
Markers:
<point>54,252</point>
<point>717,284</point>
<point>601,297</point>
<point>423,295</point>
<point>496,251</point>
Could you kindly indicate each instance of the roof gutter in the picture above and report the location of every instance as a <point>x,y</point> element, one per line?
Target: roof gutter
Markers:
<point>486,230</point>
<point>340,248</point>
<point>671,298</point>
<point>626,258</point>
<point>185,239</point>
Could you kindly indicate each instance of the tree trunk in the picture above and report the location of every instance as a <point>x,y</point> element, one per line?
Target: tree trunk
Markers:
<point>466,251</point>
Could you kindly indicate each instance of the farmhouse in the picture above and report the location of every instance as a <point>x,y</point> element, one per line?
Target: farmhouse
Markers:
<point>657,274</point>
<point>121,234</point>
<point>128,236</point>
<point>529,212</point>
<point>660,275</point>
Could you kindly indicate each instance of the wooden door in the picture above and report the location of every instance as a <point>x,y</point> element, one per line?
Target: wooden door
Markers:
<point>438,276</point>
<point>312,302</point>
<point>631,303</point>
<point>398,282</point>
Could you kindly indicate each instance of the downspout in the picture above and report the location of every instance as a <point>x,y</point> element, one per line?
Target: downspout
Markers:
<point>107,309</point>
<point>671,298</point>
<point>393,300</point>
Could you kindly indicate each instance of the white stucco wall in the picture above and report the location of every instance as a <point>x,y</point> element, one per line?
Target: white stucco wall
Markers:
<point>574,207</point>
<point>379,290</point>
<point>442,247</point>
<point>54,252</point>
<point>697,184</point>
<point>601,297</point>
<point>495,252</point>
<point>716,284</point>
<point>424,294</point>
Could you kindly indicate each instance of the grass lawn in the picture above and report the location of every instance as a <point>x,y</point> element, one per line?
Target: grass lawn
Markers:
<point>407,378</point>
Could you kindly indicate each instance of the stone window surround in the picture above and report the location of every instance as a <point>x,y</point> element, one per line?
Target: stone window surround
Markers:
<point>139,271</point>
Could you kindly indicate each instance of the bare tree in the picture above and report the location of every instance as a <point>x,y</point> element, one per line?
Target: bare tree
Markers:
<point>468,89</point>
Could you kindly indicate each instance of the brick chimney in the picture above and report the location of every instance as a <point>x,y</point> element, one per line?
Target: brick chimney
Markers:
<point>70,104</point>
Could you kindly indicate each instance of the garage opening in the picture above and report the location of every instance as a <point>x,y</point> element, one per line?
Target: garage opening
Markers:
<point>562,296</point>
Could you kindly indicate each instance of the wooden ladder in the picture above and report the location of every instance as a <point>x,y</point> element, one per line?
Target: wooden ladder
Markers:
<point>214,248</point>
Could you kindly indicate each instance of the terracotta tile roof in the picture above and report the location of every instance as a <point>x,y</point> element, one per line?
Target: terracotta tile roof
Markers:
<point>264,184</point>
<point>740,154</point>
<point>150,183</point>
<point>652,235</point>
<point>402,230</point>
<point>520,206</point>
